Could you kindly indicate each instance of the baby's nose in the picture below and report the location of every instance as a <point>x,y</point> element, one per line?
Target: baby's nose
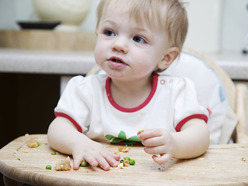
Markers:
<point>120,44</point>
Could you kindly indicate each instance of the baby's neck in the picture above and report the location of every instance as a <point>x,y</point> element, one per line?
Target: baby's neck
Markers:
<point>131,94</point>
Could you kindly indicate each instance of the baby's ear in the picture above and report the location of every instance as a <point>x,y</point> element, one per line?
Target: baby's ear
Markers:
<point>169,56</point>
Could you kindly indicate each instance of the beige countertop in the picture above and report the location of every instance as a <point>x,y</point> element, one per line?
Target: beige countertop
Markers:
<point>45,62</point>
<point>235,64</point>
<point>74,63</point>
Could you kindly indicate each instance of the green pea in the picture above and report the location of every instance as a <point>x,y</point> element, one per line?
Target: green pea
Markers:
<point>84,164</point>
<point>49,167</point>
<point>127,158</point>
<point>38,143</point>
<point>131,162</point>
<point>53,153</point>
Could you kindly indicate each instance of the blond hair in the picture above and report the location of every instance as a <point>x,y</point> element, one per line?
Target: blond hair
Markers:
<point>168,15</point>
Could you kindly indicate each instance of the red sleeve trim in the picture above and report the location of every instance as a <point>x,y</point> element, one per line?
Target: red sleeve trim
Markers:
<point>60,114</point>
<point>194,116</point>
<point>209,111</point>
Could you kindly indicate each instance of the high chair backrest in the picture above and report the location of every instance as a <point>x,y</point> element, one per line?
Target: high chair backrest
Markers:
<point>215,91</point>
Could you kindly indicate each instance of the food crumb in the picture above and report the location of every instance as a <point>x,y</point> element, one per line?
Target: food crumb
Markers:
<point>126,163</point>
<point>243,159</point>
<point>123,149</point>
<point>120,166</point>
<point>63,165</point>
<point>213,166</point>
<point>33,143</point>
<point>26,150</point>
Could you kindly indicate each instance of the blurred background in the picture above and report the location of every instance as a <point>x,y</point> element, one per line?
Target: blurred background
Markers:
<point>215,25</point>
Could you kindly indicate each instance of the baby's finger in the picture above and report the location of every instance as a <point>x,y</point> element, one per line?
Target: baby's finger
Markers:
<point>116,157</point>
<point>161,159</point>
<point>91,160</point>
<point>151,142</point>
<point>76,163</point>
<point>77,159</point>
<point>111,158</point>
<point>149,133</point>
<point>102,162</point>
<point>155,150</point>
<point>111,161</point>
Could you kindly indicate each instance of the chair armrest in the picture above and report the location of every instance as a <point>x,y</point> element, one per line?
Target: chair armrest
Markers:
<point>93,70</point>
<point>241,111</point>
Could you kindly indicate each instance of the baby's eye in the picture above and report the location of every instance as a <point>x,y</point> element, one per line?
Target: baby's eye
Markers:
<point>109,33</point>
<point>139,39</point>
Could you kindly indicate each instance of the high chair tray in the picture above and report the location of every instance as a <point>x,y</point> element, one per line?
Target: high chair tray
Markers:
<point>221,164</point>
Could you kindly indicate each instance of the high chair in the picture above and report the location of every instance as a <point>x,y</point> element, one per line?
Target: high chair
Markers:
<point>229,114</point>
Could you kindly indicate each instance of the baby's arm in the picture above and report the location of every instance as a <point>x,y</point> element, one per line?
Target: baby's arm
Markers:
<point>190,142</point>
<point>64,137</point>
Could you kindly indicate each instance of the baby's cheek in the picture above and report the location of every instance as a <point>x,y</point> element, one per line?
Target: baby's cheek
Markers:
<point>100,51</point>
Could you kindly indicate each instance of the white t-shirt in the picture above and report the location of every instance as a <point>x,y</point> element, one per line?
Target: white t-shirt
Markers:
<point>87,102</point>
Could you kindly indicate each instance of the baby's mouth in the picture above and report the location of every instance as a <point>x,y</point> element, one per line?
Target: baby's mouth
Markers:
<point>116,60</point>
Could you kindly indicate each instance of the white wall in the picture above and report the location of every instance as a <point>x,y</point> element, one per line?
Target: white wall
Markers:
<point>7,14</point>
<point>215,25</point>
<point>234,25</point>
<point>204,25</point>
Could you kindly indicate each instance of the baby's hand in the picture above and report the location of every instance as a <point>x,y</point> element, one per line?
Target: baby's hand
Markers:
<point>95,154</point>
<point>159,143</point>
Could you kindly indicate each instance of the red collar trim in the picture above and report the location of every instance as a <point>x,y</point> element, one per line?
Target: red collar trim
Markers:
<point>123,109</point>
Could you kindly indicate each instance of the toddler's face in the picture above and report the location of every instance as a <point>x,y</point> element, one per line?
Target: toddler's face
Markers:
<point>127,50</point>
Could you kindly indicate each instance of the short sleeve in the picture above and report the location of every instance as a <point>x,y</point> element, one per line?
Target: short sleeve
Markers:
<point>75,102</point>
<point>186,104</point>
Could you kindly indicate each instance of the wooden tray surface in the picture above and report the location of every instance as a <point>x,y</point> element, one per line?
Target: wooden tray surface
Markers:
<point>221,164</point>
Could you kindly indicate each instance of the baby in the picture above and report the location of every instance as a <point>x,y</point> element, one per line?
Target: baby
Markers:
<point>136,39</point>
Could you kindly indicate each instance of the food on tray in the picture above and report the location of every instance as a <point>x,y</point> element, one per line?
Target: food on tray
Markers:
<point>125,162</point>
<point>123,149</point>
<point>53,153</point>
<point>84,163</point>
<point>63,165</point>
<point>127,158</point>
<point>49,167</point>
<point>131,162</point>
<point>120,166</point>
<point>33,143</point>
